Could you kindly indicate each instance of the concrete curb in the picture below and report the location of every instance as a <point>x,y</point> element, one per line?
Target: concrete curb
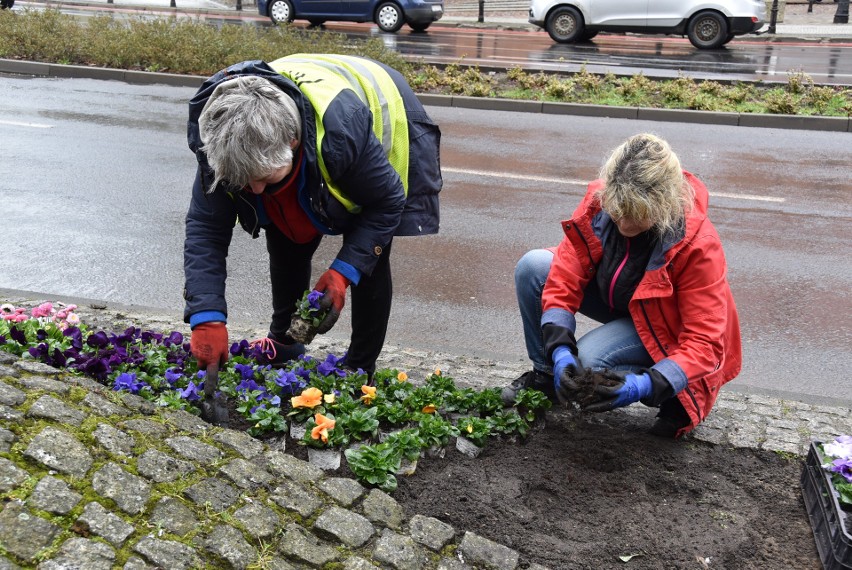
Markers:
<point>795,122</point>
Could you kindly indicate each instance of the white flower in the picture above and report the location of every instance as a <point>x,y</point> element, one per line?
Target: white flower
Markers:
<point>840,447</point>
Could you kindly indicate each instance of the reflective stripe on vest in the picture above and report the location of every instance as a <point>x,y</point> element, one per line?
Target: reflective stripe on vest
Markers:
<point>321,77</point>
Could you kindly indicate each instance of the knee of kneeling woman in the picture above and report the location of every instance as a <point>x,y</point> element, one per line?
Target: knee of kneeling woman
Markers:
<point>533,268</point>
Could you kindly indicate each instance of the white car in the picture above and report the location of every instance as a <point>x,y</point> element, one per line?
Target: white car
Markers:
<point>709,24</point>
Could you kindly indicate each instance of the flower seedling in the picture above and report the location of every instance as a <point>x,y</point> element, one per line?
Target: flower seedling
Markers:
<point>307,317</point>
<point>322,432</point>
<point>531,402</point>
<point>476,430</point>
<point>375,464</point>
<point>435,431</point>
<point>361,423</point>
<point>509,422</point>
<point>407,441</point>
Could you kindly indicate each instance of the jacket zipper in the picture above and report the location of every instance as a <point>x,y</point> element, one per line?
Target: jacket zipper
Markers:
<point>688,390</point>
<point>616,274</point>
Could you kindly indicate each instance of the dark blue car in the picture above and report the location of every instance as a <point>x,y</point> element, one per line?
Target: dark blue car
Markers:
<point>389,15</point>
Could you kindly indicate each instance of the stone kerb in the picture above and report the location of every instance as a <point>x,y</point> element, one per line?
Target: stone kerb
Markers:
<point>95,479</point>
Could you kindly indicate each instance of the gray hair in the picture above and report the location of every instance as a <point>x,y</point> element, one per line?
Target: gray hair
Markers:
<point>643,180</point>
<point>247,126</point>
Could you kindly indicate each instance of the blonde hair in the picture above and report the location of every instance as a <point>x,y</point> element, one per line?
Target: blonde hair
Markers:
<point>643,180</point>
<point>247,127</point>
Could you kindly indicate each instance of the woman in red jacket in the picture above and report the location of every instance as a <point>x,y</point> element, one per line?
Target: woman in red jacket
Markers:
<point>641,257</point>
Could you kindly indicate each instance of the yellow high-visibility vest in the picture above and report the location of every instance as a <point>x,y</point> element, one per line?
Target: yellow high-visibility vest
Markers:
<point>322,77</point>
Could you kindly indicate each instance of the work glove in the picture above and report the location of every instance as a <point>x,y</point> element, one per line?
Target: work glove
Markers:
<point>624,389</point>
<point>565,367</point>
<point>333,286</point>
<point>209,344</point>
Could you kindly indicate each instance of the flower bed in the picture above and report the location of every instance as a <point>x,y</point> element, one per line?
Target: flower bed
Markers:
<point>337,408</point>
<point>827,490</point>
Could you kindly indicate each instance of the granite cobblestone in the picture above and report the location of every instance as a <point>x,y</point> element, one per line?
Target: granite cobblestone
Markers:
<point>141,487</point>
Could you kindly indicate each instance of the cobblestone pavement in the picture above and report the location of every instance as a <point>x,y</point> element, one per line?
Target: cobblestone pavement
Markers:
<point>94,479</point>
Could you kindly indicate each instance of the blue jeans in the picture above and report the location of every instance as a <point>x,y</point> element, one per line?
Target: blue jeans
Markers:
<point>614,345</point>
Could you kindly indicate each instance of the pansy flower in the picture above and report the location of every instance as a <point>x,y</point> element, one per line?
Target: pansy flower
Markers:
<point>402,377</point>
<point>369,394</point>
<point>309,398</point>
<point>190,393</point>
<point>844,467</point>
<point>324,424</point>
<point>172,376</point>
<point>127,381</point>
<point>429,409</point>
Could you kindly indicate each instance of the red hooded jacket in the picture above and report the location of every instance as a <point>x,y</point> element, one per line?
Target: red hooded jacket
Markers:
<point>683,308</point>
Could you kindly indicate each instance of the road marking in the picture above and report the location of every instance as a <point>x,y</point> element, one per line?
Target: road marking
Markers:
<point>33,125</point>
<point>570,182</point>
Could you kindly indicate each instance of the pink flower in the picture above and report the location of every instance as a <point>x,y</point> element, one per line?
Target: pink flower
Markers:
<point>7,308</point>
<point>43,310</point>
<point>73,319</point>
<point>61,315</point>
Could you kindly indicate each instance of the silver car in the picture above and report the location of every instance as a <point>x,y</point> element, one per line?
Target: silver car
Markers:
<point>709,24</point>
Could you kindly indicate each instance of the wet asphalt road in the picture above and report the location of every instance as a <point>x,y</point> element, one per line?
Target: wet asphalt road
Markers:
<point>95,178</point>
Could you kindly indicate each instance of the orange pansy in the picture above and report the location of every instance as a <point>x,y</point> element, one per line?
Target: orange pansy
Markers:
<point>369,394</point>
<point>310,398</point>
<point>429,409</point>
<point>402,376</point>
<point>323,425</point>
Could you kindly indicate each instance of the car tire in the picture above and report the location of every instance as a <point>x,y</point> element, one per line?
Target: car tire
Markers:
<point>421,27</point>
<point>707,30</point>
<point>8,4</point>
<point>281,11</point>
<point>565,25</point>
<point>728,39</point>
<point>587,35</point>
<point>389,17</point>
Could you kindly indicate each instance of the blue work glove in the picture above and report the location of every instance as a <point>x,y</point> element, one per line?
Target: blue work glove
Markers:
<point>565,367</point>
<point>623,389</point>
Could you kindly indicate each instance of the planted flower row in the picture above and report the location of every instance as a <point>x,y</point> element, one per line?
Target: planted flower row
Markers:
<point>336,407</point>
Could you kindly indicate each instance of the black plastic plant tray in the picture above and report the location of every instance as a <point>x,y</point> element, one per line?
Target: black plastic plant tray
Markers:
<point>830,523</point>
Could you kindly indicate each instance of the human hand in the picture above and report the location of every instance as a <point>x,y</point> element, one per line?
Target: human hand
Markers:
<point>333,286</point>
<point>565,367</point>
<point>209,344</point>
<point>624,389</point>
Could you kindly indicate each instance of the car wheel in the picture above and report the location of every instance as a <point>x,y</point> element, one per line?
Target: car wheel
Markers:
<point>707,30</point>
<point>315,22</point>
<point>281,11</point>
<point>8,4</point>
<point>728,38</point>
<point>420,27</point>
<point>587,35</point>
<point>565,25</point>
<point>389,17</point>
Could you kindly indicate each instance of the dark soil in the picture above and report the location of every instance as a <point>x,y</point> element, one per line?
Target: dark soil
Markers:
<point>581,389</point>
<point>581,495</point>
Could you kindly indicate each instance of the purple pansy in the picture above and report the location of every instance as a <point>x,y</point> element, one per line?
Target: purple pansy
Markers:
<point>246,371</point>
<point>329,366</point>
<point>844,467</point>
<point>172,376</point>
<point>127,381</point>
<point>314,298</point>
<point>190,393</point>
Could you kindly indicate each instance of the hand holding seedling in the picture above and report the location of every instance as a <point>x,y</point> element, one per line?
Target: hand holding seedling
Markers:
<point>333,287</point>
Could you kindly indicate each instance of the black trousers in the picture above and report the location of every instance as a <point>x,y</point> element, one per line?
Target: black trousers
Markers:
<point>290,274</point>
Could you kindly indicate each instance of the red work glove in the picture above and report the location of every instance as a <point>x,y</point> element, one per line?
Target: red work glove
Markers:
<point>209,344</point>
<point>333,286</point>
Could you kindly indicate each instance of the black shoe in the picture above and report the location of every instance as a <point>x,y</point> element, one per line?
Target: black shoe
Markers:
<point>532,379</point>
<point>671,419</point>
<point>269,351</point>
